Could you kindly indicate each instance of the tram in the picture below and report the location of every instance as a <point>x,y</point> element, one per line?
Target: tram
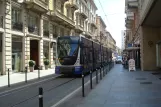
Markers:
<point>77,54</point>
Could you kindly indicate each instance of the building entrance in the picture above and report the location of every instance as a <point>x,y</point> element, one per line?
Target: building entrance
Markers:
<point>34,52</point>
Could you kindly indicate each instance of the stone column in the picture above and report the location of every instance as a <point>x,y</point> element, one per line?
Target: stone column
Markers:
<point>7,39</point>
<point>41,54</point>
<point>50,46</point>
<point>26,40</point>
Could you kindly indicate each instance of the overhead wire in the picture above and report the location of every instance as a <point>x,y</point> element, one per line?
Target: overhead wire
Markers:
<point>105,15</point>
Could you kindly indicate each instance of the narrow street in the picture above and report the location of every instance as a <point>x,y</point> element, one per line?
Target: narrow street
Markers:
<point>54,91</point>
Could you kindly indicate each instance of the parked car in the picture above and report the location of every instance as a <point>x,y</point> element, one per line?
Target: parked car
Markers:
<point>118,60</point>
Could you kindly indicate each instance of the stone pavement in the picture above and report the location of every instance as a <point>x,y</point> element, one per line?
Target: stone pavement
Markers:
<point>20,76</point>
<point>120,88</point>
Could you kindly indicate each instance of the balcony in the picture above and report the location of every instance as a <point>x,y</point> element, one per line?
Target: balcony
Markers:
<point>84,13</point>
<point>128,26</point>
<point>87,34</point>
<point>93,24</point>
<point>132,5</point>
<point>37,5</point>
<point>129,23</point>
<point>79,29</point>
<point>33,30</point>
<point>62,19</point>
<point>74,4</point>
<point>1,21</point>
<point>130,15</point>
<point>17,26</point>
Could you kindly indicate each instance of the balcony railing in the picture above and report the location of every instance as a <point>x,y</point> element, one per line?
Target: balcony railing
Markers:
<point>62,17</point>
<point>33,30</point>
<point>1,21</point>
<point>39,5</point>
<point>17,26</point>
<point>132,4</point>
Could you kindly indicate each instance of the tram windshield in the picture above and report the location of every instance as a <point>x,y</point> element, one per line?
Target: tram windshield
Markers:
<point>67,50</point>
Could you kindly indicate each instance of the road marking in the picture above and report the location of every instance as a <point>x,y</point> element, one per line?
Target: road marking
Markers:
<point>2,94</point>
<point>73,93</point>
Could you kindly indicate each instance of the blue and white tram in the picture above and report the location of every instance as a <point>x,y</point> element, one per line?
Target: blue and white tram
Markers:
<point>75,54</point>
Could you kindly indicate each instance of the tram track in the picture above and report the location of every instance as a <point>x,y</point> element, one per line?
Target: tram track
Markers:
<point>45,91</point>
<point>20,96</point>
<point>54,90</point>
<point>21,88</point>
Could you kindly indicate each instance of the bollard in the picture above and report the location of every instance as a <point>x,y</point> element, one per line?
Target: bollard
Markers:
<point>38,72</point>
<point>26,74</point>
<point>40,97</point>
<point>82,84</point>
<point>8,77</point>
<point>96,76</point>
<point>91,79</point>
<point>100,74</point>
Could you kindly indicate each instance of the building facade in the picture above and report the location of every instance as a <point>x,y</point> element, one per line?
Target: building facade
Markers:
<point>28,29</point>
<point>123,38</point>
<point>144,23</point>
<point>100,36</point>
<point>111,43</point>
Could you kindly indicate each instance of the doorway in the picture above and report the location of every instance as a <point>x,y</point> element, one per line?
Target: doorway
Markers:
<point>34,52</point>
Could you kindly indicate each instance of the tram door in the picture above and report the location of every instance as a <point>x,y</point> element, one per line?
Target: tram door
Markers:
<point>158,54</point>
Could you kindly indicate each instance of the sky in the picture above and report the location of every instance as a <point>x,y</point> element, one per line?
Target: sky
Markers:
<point>113,16</point>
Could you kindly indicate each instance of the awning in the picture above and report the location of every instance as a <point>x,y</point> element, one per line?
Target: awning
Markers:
<point>131,48</point>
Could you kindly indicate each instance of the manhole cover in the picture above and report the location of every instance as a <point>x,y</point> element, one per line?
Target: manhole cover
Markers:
<point>145,82</point>
<point>156,73</point>
<point>140,78</point>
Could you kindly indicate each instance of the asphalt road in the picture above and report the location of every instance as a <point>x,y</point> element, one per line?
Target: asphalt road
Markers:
<point>54,91</point>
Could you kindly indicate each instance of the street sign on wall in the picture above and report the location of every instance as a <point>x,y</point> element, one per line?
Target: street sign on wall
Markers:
<point>129,45</point>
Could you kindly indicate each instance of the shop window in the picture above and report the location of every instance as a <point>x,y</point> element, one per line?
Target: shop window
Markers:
<point>16,53</point>
<point>46,49</point>
<point>54,53</point>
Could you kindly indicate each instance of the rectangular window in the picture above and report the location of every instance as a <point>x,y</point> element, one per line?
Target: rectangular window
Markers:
<point>46,28</point>
<point>32,20</point>
<point>33,25</point>
<point>16,19</point>
<point>16,15</point>
<point>54,32</point>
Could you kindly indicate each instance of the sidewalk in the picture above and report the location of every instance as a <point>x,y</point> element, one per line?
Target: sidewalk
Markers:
<point>120,88</point>
<point>20,76</point>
